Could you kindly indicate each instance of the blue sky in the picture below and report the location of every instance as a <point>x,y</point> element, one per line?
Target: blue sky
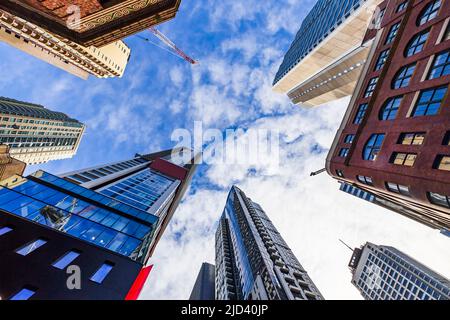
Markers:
<point>240,45</point>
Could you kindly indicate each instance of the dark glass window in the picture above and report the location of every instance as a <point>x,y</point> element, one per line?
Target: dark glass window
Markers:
<point>360,113</point>
<point>439,199</point>
<point>441,65</point>
<point>442,162</point>
<point>403,76</point>
<point>343,152</point>
<point>381,59</point>
<point>340,173</point>
<point>31,247</point>
<point>403,159</point>
<point>349,138</point>
<point>429,101</point>
<point>66,259</point>
<point>390,108</point>
<point>24,294</point>
<point>102,272</point>
<point>401,6</point>
<point>370,87</point>
<point>413,138</point>
<point>5,230</point>
<point>398,188</point>
<point>365,180</point>
<point>417,43</point>
<point>392,33</point>
<point>429,12</point>
<point>373,146</point>
<point>446,139</point>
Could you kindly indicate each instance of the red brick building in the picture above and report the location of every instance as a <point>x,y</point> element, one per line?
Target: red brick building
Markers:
<point>101,21</point>
<point>394,141</point>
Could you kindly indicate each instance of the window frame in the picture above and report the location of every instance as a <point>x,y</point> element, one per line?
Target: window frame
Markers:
<point>429,15</point>
<point>360,113</point>
<point>102,272</point>
<point>383,55</point>
<point>444,65</point>
<point>438,203</point>
<point>406,159</point>
<point>392,34</point>
<point>390,106</point>
<point>370,88</point>
<point>403,135</point>
<point>429,102</point>
<point>397,188</point>
<point>373,147</point>
<point>64,259</point>
<point>403,76</point>
<point>438,162</point>
<point>343,152</point>
<point>31,247</point>
<point>365,179</point>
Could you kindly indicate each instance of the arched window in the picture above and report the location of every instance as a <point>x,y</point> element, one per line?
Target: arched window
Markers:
<point>417,43</point>
<point>390,108</point>
<point>403,76</point>
<point>373,146</point>
<point>429,12</point>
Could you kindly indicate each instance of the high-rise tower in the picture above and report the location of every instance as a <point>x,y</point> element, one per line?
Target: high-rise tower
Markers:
<point>252,260</point>
<point>99,224</point>
<point>204,288</point>
<point>36,134</point>
<point>385,273</point>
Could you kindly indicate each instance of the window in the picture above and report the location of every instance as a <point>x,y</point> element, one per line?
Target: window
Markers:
<point>31,247</point>
<point>390,108</point>
<point>403,159</point>
<point>343,152</point>
<point>392,33</point>
<point>349,138</point>
<point>398,188</point>
<point>381,59</point>
<point>403,76</point>
<point>446,139</point>
<point>442,163</point>
<point>413,138</point>
<point>340,173</point>
<point>371,87</point>
<point>441,65</point>
<point>401,6</point>
<point>429,101</point>
<point>66,259</point>
<point>102,272</point>
<point>373,147</point>
<point>365,180</point>
<point>429,12</point>
<point>24,294</point>
<point>5,230</point>
<point>439,199</point>
<point>360,113</point>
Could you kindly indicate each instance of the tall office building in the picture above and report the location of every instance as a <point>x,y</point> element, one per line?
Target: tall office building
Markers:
<point>36,134</point>
<point>103,221</point>
<point>328,53</point>
<point>103,62</point>
<point>93,22</point>
<point>204,288</point>
<point>394,140</point>
<point>252,260</point>
<point>385,273</point>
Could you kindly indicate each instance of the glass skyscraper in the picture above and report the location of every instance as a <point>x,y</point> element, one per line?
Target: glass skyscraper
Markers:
<point>385,273</point>
<point>36,134</point>
<point>252,260</point>
<point>116,212</point>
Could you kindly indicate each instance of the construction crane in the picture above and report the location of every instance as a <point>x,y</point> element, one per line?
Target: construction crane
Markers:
<point>173,48</point>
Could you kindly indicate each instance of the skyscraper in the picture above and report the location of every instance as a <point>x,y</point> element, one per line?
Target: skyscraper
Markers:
<point>394,140</point>
<point>103,221</point>
<point>93,22</point>
<point>36,134</point>
<point>385,273</point>
<point>328,53</point>
<point>204,288</point>
<point>103,62</point>
<point>252,260</point>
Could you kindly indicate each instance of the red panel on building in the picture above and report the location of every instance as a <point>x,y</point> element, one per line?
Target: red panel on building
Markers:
<point>169,169</point>
<point>137,286</point>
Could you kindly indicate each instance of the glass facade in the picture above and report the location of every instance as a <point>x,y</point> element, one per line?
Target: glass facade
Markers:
<point>324,17</point>
<point>82,213</point>
<point>384,273</point>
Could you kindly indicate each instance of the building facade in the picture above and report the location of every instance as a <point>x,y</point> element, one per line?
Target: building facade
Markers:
<point>385,273</point>
<point>93,22</point>
<point>252,260</point>
<point>103,62</point>
<point>8,165</point>
<point>204,288</point>
<point>394,140</point>
<point>328,53</point>
<point>104,221</point>
<point>36,134</point>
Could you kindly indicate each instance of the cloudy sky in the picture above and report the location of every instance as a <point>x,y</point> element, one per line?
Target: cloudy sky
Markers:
<point>240,45</point>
